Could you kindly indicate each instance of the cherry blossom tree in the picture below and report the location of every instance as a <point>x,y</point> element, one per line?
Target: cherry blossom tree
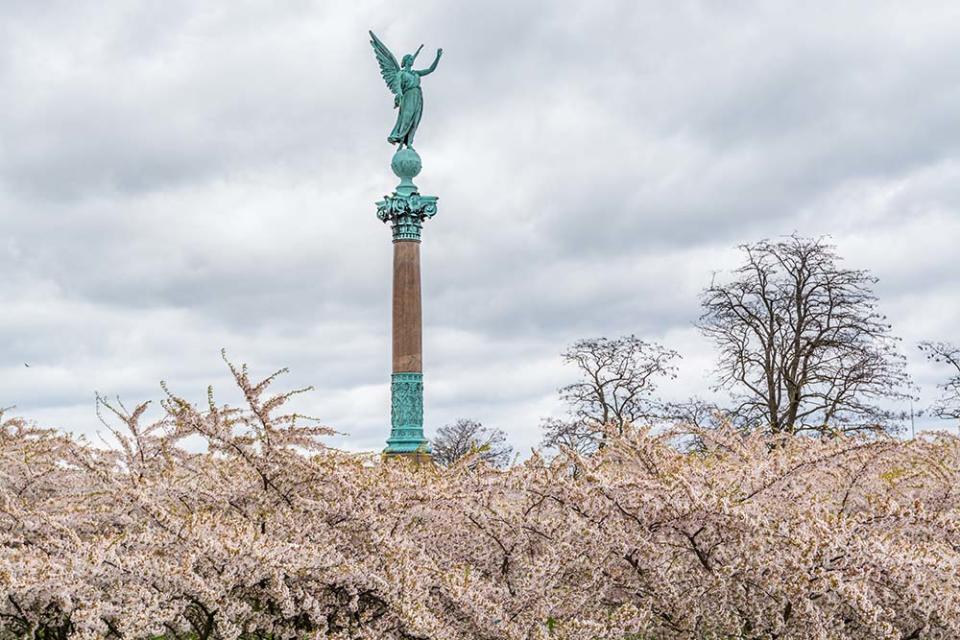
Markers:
<point>267,533</point>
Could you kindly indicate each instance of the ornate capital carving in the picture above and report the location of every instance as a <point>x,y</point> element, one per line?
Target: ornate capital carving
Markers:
<point>406,213</point>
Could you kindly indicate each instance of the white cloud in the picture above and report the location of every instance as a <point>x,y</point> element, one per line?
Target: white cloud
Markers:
<point>177,178</point>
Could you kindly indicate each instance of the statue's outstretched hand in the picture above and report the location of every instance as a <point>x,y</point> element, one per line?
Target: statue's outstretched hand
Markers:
<point>439,52</point>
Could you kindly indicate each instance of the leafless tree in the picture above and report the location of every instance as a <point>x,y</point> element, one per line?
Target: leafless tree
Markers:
<point>618,378</point>
<point>802,345</point>
<point>692,417</point>
<point>617,381</point>
<point>697,413</point>
<point>464,437</point>
<point>948,405</point>
<point>573,434</point>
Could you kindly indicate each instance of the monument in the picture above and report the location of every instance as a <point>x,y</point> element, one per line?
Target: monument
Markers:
<point>405,210</point>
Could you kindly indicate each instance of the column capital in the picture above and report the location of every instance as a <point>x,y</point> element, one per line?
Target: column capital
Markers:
<point>406,213</point>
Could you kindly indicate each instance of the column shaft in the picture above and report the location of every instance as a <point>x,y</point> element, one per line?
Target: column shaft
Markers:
<point>407,319</point>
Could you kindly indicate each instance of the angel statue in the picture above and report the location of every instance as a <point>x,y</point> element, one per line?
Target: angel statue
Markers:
<point>404,82</point>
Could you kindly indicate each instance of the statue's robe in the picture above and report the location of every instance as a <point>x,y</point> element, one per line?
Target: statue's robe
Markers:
<point>411,108</point>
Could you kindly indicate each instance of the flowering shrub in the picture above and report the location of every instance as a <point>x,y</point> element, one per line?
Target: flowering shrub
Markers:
<point>267,533</point>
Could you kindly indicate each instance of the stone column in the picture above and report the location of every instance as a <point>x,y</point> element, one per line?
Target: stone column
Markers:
<point>406,210</point>
<point>407,317</point>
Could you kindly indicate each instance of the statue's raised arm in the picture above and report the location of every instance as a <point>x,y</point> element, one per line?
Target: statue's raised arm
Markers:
<point>432,67</point>
<point>404,83</point>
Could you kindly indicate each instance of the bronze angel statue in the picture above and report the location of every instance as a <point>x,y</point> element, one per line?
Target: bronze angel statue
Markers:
<point>404,81</point>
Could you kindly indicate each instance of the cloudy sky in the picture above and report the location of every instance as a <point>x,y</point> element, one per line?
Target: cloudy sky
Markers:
<point>178,177</point>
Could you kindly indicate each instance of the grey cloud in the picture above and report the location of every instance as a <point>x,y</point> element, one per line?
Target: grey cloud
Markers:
<point>177,178</point>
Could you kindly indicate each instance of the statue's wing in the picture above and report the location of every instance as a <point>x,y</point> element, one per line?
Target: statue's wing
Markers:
<point>389,68</point>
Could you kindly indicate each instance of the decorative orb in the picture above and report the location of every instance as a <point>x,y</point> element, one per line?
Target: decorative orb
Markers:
<point>406,163</point>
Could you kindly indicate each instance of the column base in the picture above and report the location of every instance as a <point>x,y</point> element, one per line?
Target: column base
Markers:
<point>405,447</point>
<point>406,415</point>
<point>417,458</point>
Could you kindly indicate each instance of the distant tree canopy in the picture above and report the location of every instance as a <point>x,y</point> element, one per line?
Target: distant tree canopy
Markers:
<point>802,345</point>
<point>802,348</point>
<point>617,380</point>
<point>948,405</point>
<point>465,437</point>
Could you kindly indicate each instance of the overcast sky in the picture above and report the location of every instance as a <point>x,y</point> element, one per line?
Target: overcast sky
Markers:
<point>178,177</point>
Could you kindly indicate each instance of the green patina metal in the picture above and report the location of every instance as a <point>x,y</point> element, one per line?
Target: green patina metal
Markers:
<point>404,83</point>
<point>406,414</point>
<point>406,209</point>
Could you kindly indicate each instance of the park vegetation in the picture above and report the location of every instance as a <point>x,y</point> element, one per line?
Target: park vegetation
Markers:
<point>267,533</point>
<point>792,512</point>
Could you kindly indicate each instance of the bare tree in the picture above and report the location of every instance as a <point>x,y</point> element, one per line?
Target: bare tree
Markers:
<point>464,437</point>
<point>617,381</point>
<point>948,405</point>
<point>697,413</point>
<point>572,434</point>
<point>802,345</point>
